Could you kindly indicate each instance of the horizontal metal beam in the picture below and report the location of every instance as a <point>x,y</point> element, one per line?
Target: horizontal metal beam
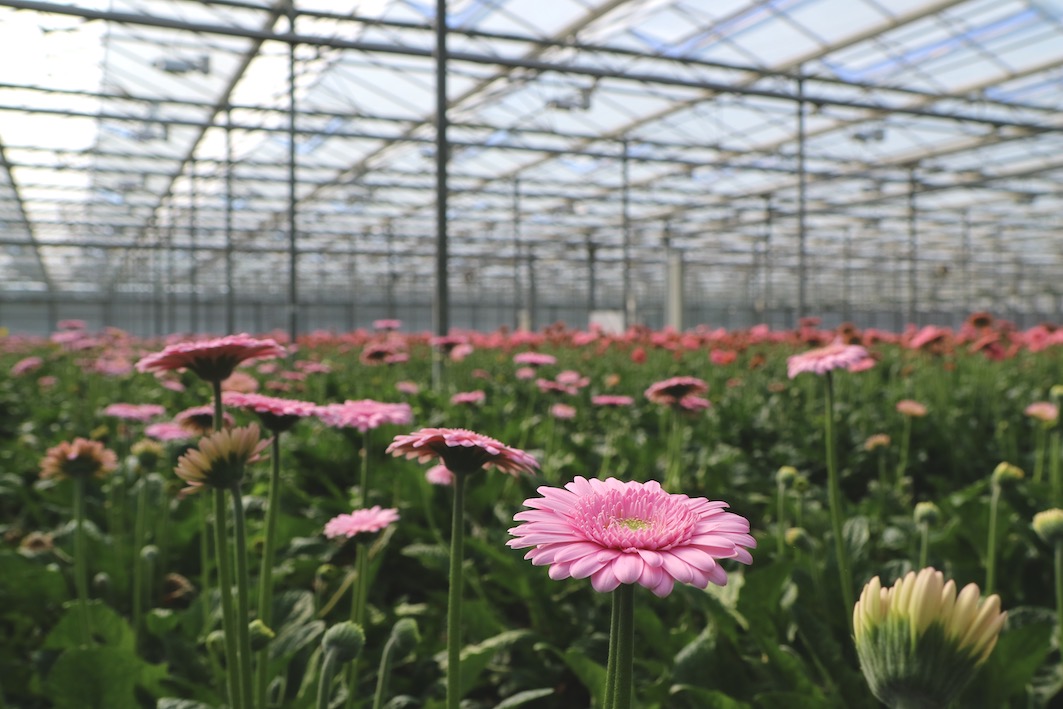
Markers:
<point>714,87</point>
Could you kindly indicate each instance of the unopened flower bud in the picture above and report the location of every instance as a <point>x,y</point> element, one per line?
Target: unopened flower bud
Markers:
<point>786,475</point>
<point>1007,474</point>
<point>216,643</point>
<point>346,639</point>
<point>261,634</point>
<point>148,454</point>
<point>149,553</point>
<point>801,484</point>
<point>101,583</point>
<point>1049,525</point>
<point>799,537</point>
<point>927,513</point>
<point>404,636</point>
<point>919,641</point>
<point>876,441</point>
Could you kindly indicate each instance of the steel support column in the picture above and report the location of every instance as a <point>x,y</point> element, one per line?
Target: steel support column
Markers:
<point>802,202</point>
<point>293,254</point>
<point>230,297</point>
<point>625,206</point>
<point>520,301</point>
<point>913,248</point>
<point>592,276</point>
<point>441,304</point>
<point>193,269</point>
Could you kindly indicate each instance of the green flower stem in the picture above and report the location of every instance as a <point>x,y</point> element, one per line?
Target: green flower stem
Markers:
<point>328,674</point>
<point>457,554</point>
<point>625,646</point>
<point>364,489</point>
<point>834,493</point>
<point>81,572</point>
<point>883,483</point>
<point>675,444</point>
<point>1039,453</point>
<point>243,605</point>
<point>205,561</point>
<point>610,443</point>
<point>924,544</point>
<point>384,673</point>
<point>614,638</point>
<point>550,472</point>
<point>265,577</point>
<point>218,410</point>
<point>1059,595</point>
<point>360,592</point>
<point>1054,467</point>
<point>780,517</point>
<point>139,534</point>
<point>205,558</point>
<point>906,440</point>
<point>225,585</point>
<point>991,545</point>
<point>358,605</point>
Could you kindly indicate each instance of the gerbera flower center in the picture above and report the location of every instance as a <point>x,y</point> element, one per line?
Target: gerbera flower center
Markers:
<point>633,523</point>
<point>635,518</point>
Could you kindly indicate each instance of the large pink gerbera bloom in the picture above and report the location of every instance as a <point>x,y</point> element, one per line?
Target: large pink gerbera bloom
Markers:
<point>671,391</point>
<point>213,360</point>
<point>462,451</point>
<point>363,521</point>
<point>630,532</point>
<point>821,360</point>
<point>364,414</point>
<point>276,414</point>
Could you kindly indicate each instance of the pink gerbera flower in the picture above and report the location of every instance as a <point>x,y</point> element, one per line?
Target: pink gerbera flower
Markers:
<point>563,412</point>
<point>278,415</point>
<point>365,414</point>
<point>612,400</point>
<point>363,521</point>
<point>671,391</point>
<point>167,431</point>
<point>630,532</point>
<point>199,420</point>
<point>534,359</point>
<point>462,451</point>
<point>911,408</point>
<point>213,360</point>
<point>471,398</point>
<point>439,475</point>
<point>26,365</point>
<point>408,388</point>
<point>821,360</point>
<point>134,412</point>
<point>693,403</point>
<point>1044,411</point>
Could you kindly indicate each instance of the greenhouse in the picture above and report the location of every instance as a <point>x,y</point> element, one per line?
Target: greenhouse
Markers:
<point>556,354</point>
<point>207,166</point>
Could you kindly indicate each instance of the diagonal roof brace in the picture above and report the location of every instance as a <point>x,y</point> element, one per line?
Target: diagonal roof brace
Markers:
<point>25,220</point>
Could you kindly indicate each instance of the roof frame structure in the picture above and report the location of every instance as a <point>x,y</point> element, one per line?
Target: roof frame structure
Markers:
<point>719,151</point>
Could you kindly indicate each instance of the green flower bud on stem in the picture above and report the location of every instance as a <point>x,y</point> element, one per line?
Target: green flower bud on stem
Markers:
<point>920,642</point>
<point>261,635</point>
<point>1049,525</point>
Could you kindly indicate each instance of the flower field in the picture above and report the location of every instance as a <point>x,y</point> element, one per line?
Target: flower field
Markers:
<point>653,519</point>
